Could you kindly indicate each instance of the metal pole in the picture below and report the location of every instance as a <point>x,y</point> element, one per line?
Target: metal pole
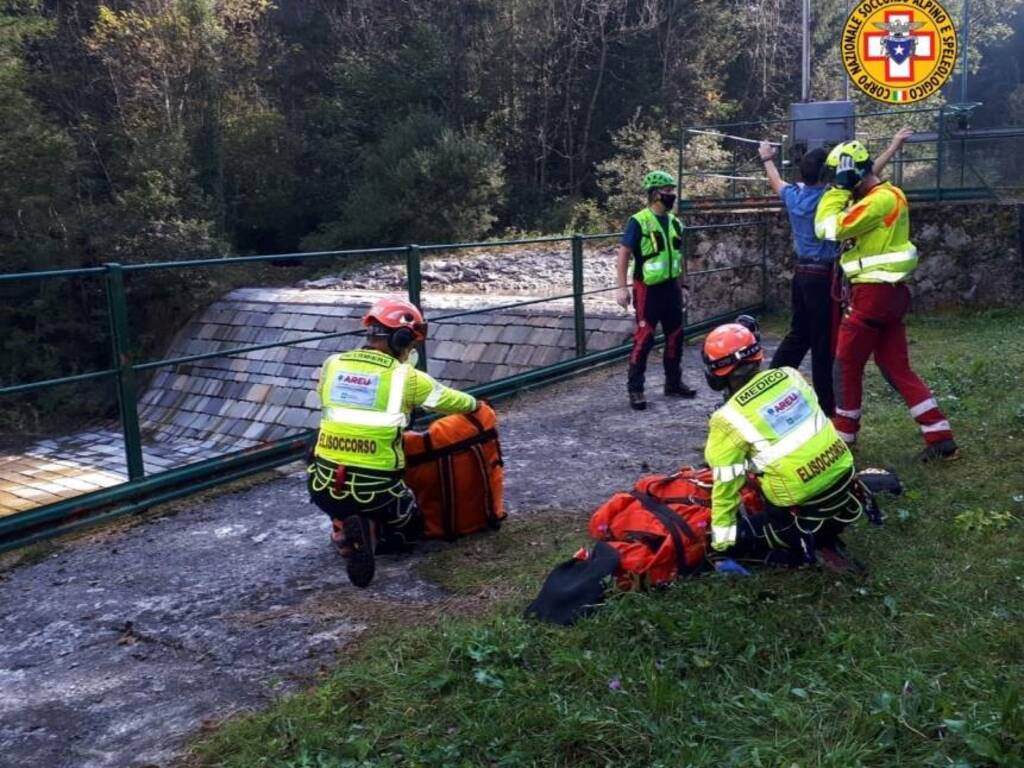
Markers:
<point>938,153</point>
<point>764,262</point>
<point>965,26</point>
<point>579,319</point>
<point>412,273</point>
<point>126,386</point>
<point>682,138</point>
<point>805,51</point>
<point>415,280</point>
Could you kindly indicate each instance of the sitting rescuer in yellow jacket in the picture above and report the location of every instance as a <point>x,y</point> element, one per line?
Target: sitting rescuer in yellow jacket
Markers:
<point>367,396</point>
<point>771,425</point>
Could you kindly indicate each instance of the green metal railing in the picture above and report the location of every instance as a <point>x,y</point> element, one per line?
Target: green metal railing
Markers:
<point>964,163</point>
<point>143,489</point>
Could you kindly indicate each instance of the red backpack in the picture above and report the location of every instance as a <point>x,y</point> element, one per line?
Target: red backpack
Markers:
<point>661,528</point>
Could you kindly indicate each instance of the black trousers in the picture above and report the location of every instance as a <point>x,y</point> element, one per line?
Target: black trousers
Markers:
<point>811,330</point>
<point>391,504</point>
<point>654,304</point>
<point>788,536</point>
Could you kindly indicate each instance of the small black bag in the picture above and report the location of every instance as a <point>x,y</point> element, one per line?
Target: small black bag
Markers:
<point>574,588</point>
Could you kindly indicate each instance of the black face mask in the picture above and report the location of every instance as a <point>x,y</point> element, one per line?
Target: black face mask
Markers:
<point>668,200</point>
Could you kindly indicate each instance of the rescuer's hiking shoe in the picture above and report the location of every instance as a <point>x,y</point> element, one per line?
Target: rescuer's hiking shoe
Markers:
<point>637,401</point>
<point>680,390</point>
<point>357,549</point>
<point>944,450</point>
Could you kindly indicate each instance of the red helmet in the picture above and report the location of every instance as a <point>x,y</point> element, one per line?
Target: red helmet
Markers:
<point>396,314</point>
<point>729,345</point>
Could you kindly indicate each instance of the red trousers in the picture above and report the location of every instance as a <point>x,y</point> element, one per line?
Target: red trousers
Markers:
<point>873,324</point>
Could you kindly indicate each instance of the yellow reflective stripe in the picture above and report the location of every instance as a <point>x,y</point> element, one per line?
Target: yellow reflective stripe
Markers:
<point>359,417</point>
<point>826,228</point>
<point>725,473</point>
<point>747,430</point>
<point>853,266</point>
<point>885,277</point>
<point>723,534</point>
<point>791,442</point>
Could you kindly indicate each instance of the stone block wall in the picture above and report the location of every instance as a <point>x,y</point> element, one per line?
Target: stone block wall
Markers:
<point>972,254</point>
<point>244,400</point>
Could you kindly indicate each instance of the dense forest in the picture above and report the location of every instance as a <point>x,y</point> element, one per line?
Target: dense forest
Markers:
<point>140,130</point>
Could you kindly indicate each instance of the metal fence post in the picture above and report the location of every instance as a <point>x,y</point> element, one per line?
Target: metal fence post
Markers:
<point>764,263</point>
<point>415,281</point>
<point>126,386</point>
<point>938,154</point>
<point>579,320</point>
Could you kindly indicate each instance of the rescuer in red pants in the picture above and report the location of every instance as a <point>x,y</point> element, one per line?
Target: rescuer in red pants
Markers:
<point>881,259</point>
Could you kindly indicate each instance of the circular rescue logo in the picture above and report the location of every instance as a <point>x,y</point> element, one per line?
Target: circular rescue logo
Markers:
<point>899,52</point>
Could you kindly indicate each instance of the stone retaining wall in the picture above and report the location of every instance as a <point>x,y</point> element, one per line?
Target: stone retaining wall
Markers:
<point>972,254</point>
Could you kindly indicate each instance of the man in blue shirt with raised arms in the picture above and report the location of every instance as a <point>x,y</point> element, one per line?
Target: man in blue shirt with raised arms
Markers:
<point>813,306</point>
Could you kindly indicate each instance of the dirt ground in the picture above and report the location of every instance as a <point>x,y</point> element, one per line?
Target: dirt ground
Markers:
<point>116,648</point>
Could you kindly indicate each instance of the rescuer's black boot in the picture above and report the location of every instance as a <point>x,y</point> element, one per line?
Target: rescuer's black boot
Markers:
<point>680,390</point>
<point>637,401</point>
<point>357,549</point>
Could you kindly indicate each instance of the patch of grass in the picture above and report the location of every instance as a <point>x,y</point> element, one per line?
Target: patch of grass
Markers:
<point>919,664</point>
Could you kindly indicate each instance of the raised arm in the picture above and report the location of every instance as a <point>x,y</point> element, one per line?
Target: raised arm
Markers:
<point>767,153</point>
<point>894,146</point>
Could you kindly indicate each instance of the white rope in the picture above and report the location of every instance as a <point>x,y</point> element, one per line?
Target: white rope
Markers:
<point>730,136</point>
<point>726,176</point>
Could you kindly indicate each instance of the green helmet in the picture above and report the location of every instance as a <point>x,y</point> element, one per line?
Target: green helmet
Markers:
<point>656,179</point>
<point>848,175</point>
<point>854,149</point>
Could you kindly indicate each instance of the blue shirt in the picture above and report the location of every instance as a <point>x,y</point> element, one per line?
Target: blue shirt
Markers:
<point>633,234</point>
<point>801,202</point>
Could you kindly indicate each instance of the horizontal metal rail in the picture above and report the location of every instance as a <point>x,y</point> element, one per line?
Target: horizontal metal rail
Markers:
<point>232,260</point>
<point>785,120</point>
<point>20,389</point>
<point>493,243</point>
<point>12,277</point>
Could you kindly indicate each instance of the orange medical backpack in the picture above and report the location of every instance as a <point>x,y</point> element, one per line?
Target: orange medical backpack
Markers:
<point>456,471</point>
<point>661,528</point>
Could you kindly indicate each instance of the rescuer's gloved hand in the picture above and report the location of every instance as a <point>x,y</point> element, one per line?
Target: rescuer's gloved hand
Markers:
<point>847,174</point>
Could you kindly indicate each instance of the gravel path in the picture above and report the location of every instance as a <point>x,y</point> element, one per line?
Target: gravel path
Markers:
<point>115,649</point>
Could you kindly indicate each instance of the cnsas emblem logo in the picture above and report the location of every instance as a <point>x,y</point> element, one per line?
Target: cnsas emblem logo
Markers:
<point>899,52</point>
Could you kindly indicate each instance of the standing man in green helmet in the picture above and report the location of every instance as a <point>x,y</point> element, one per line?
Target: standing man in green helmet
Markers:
<point>356,474</point>
<point>653,241</point>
